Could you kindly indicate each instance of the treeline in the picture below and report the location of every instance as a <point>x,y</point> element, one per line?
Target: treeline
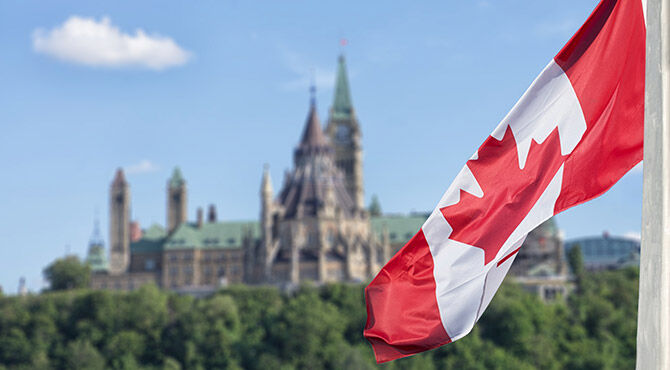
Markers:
<point>312,328</point>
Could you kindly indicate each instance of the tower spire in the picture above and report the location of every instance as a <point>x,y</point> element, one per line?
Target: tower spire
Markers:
<point>312,135</point>
<point>96,237</point>
<point>266,186</point>
<point>176,200</point>
<point>345,134</point>
<point>95,256</point>
<point>312,90</point>
<point>177,179</point>
<point>342,107</point>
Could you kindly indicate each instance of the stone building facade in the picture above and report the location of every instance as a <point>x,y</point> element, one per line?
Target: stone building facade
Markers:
<point>315,228</point>
<point>541,266</point>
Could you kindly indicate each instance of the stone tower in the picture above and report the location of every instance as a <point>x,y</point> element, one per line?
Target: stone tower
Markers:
<point>345,135</point>
<point>119,224</point>
<point>176,200</point>
<point>267,227</point>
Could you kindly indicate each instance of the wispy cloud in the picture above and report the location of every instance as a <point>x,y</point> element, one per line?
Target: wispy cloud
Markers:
<point>90,42</point>
<point>305,72</point>
<point>143,166</point>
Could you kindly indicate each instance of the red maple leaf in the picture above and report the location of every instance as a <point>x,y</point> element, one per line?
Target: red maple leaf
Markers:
<point>509,192</point>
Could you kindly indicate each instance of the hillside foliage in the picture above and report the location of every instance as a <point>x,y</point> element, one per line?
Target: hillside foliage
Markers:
<point>311,328</point>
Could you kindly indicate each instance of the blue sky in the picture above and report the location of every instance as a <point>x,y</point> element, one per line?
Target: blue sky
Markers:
<point>225,90</point>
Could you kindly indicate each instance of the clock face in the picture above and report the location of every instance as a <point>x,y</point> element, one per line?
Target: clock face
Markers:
<point>342,134</point>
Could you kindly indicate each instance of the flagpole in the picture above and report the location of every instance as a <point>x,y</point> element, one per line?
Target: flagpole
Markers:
<point>653,325</point>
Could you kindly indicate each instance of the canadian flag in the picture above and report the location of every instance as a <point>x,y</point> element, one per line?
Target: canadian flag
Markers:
<point>573,134</point>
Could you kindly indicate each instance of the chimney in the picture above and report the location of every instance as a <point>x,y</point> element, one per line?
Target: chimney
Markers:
<point>135,231</point>
<point>211,214</point>
<point>199,217</point>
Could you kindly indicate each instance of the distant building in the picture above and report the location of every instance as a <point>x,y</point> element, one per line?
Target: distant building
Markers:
<point>315,228</point>
<point>607,252</point>
<point>541,266</point>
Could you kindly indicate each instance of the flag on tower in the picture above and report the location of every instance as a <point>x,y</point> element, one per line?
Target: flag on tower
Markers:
<point>573,134</point>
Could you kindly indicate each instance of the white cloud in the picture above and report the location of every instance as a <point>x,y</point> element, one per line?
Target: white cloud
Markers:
<point>635,235</point>
<point>306,72</point>
<point>143,166</point>
<point>86,41</point>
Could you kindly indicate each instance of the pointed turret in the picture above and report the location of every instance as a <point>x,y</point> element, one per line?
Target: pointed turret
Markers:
<point>96,257</point>
<point>312,134</point>
<point>96,236</point>
<point>267,224</point>
<point>119,178</point>
<point>305,189</point>
<point>313,141</point>
<point>345,134</point>
<point>266,183</point>
<point>267,194</point>
<point>177,180</point>
<point>176,200</point>
<point>342,107</point>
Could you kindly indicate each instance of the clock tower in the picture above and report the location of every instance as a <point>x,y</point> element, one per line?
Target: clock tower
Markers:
<point>345,135</point>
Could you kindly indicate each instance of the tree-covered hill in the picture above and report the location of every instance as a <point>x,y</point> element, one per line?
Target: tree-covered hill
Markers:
<point>312,328</point>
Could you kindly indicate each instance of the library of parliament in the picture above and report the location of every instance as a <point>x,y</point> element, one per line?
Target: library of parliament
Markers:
<point>315,228</point>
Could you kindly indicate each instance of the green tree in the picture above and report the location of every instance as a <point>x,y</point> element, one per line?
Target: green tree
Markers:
<point>171,364</point>
<point>67,273</point>
<point>83,355</point>
<point>375,207</point>
<point>576,260</point>
<point>221,332</point>
<point>15,348</point>
<point>308,332</point>
<point>313,327</point>
<point>124,348</point>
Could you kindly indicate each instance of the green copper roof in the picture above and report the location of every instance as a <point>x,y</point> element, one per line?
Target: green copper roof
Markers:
<point>224,235</point>
<point>155,231</point>
<point>212,235</point>
<point>401,228</point>
<point>342,107</point>
<point>177,179</point>
<point>152,240</point>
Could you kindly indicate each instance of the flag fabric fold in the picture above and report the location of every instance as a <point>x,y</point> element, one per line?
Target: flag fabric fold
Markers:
<point>573,134</point>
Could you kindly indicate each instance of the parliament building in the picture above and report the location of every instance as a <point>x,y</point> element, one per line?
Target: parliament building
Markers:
<point>315,228</point>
